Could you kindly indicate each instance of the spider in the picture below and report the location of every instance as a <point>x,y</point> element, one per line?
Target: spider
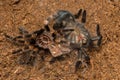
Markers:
<point>36,42</point>
<point>75,33</point>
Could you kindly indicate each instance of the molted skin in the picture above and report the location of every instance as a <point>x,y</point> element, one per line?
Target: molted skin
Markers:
<point>64,20</point>
<point>75,33</point>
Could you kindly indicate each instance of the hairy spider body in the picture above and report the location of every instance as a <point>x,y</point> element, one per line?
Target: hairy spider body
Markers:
<point>75,33</point>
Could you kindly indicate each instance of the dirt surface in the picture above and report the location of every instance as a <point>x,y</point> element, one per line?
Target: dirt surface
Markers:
<point>31,15</point>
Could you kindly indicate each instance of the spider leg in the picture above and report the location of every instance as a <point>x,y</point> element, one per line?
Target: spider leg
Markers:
<point>29,37</point>
<point>39,32</point>
<point>24,57</point>
<point>86,57</point>
<point>26,35</point>
<point>83,20</point>
<point>32,58</point>
<point>47,28</point>
<point>77,65</point>
<point>27,55</point>
<point>78,14</point>
<point>25,49</point>
<point>19,40</point>
<point>83,59</point>
<point>16,40</point>
<point>79,62</point>
<point>98,37</point>
<point>24,32</point>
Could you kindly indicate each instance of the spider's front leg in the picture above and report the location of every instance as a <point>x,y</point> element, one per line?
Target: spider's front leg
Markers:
<point>83,59</point>
<point>38,32</point>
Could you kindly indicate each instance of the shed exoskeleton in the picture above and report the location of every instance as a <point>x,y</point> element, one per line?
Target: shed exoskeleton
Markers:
<point>75,33</point>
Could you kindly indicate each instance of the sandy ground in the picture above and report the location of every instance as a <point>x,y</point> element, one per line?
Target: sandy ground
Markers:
<point>31,13</point>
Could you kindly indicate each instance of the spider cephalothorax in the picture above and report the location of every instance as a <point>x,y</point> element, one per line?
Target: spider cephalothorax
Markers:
<point>74,32</point>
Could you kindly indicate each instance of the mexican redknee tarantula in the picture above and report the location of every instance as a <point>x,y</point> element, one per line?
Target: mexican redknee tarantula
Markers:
<point>35,42</point>
<point>75,33</point>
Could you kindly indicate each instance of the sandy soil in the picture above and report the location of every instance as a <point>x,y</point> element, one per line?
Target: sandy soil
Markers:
<point>31,13</point>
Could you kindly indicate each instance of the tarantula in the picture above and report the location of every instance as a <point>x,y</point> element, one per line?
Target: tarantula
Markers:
<point>65,35</point>
<point>75,33</point>
<point>34,43</point>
